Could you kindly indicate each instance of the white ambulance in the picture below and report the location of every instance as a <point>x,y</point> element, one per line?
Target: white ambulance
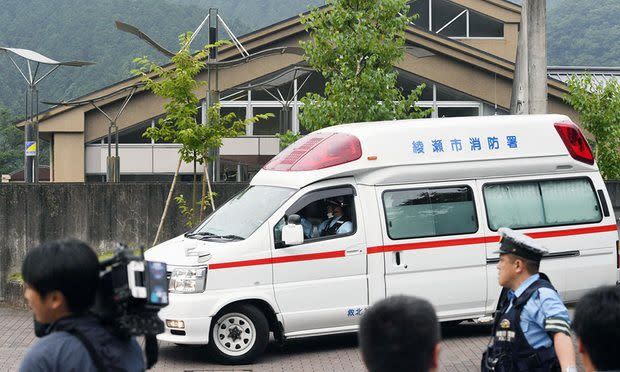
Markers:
<point>419,201</point>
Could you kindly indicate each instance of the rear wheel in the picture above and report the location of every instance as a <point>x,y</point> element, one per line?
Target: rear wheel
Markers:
<point>239,335</point>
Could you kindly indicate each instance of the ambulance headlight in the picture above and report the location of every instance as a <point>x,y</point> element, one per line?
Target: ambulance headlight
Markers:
<point>188,280</point>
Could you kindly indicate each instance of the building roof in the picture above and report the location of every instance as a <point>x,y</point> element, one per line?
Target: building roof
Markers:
<point>505,10</point>
<point>600,75</point>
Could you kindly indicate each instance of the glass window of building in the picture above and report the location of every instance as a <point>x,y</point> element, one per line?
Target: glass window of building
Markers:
<point>419,7</point>
<point>450,19</point>
<point>239,113</point>
<point>269,126</point>
<point>131,135</point>
<point>483,26</point>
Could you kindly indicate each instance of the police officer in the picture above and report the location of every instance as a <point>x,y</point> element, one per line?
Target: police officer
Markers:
<point>336,222</point>
<point>531,331</point>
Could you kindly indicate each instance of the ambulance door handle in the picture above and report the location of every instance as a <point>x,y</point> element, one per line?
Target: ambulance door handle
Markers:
<point>398,261</point>
<point>355,250</point>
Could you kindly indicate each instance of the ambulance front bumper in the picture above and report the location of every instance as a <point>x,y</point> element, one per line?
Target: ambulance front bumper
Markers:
<point>191,309</point>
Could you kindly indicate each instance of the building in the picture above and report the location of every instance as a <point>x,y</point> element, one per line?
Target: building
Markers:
<point>464,50</point>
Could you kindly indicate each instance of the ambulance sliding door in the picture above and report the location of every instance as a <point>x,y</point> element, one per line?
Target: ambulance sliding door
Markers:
<point>563,213</point>
<point>434,246</point>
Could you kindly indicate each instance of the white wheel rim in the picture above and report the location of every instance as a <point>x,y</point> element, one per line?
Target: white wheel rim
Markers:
<point>234,334</point>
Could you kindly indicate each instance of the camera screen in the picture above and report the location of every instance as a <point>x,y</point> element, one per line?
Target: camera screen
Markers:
<point>157,283</point>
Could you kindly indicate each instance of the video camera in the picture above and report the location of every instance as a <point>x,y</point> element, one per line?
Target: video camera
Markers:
<point>131,293</point>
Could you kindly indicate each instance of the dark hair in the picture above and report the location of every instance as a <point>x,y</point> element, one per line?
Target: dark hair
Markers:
<point>399,333</point>
<point>69,266</point>
<point>531,266</point>
<point>597,323</point>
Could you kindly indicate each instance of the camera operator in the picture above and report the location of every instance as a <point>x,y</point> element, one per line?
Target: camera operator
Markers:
<point>61,280</point>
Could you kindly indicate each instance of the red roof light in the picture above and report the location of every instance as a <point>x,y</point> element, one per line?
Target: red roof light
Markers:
<point>317,151</point>
<point>575,142</point>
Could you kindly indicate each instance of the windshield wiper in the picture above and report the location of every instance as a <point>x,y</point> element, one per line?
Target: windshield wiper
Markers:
<point>201,234</point>
<point>209,235</point>
<point>232,237</point>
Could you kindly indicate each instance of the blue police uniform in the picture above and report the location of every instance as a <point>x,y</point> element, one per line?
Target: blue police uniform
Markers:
<point>527,318</point>
<point>543,314</point>
<point>335,223</point>
<point>307,227</point>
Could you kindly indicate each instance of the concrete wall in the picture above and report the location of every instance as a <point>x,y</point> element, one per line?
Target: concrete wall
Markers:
<point>98,213</point>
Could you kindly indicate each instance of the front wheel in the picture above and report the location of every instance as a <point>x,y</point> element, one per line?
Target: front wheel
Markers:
<point>239,335</point>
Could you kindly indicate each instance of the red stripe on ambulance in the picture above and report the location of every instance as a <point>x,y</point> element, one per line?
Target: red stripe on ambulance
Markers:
<point>408,246</point>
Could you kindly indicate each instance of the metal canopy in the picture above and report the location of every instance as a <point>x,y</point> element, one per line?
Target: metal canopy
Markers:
<point>113,162</point>
<point>31,130</point>
<point>40,58</point>
<point>280,79</point>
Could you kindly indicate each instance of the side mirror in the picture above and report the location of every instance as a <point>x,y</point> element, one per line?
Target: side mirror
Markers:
<point>293,232</point>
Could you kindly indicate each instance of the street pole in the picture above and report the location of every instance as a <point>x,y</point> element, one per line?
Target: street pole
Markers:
<point>537,56</point>
<point>31,145</point>
<point>519,101</point>
<point>213,94</point>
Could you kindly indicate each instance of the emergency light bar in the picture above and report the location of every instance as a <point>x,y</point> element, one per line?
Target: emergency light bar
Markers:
<point>317,151</point>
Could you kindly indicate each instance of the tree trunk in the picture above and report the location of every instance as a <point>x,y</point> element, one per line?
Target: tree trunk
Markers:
<point>168,200</point>
<point>203,194</point>
<point>210,191</point>
<point>194,194</point>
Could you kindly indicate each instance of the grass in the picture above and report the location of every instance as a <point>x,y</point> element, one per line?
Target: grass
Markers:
<point>16,277</point>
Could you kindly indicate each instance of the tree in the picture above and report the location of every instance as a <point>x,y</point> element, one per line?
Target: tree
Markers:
<point>354,44</point>
<point>177,84</point>
<point>598,105</point>
<point>11,143</point>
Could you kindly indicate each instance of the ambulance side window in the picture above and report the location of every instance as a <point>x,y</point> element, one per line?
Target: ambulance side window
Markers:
<point>426,212</point>
<point>541,203</point>
<point>325,214</point>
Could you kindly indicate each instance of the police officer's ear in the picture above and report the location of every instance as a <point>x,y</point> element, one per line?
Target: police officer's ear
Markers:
<point>519,265</point>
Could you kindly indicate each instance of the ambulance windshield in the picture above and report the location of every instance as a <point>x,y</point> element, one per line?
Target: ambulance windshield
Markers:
<point>243,214</point>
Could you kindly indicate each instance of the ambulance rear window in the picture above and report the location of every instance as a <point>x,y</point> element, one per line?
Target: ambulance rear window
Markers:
<point>541,203</point>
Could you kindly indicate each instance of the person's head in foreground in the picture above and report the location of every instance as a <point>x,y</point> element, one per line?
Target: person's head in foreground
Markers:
<point>519,258</point>
<point>61,278</point>
<point>597,325</point>
<point>400,333</point>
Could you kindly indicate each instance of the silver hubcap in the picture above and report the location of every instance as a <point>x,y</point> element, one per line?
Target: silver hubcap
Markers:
<point>234,334</point>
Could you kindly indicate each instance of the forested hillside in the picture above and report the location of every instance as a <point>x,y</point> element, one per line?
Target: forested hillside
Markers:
<point>84,30</point>
<point>256,13</point>
<point>584,33</point>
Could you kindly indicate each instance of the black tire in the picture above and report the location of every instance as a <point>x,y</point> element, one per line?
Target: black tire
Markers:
<point>451,323</point>
<point>232,341</point>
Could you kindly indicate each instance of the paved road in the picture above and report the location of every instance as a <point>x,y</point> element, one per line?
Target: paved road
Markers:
<point>461,349</point>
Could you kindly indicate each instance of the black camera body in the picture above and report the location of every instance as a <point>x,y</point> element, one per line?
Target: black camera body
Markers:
<point>131,293</point>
